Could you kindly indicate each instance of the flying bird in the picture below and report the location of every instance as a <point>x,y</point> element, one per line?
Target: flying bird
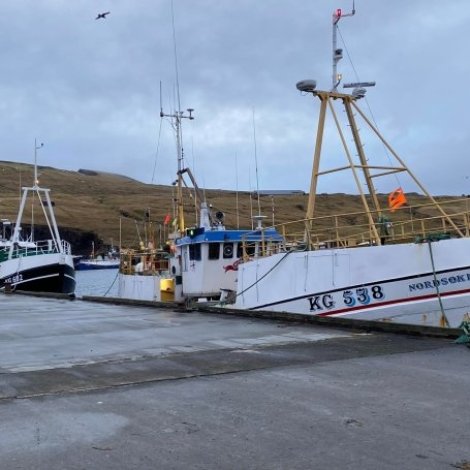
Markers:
<point>102,15</point>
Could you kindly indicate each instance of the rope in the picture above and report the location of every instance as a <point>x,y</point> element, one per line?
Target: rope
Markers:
<point>437,285</point>
<point>397,179</point>
<point>112,284</point>
<point>264,275</point>
<point>157,151</point>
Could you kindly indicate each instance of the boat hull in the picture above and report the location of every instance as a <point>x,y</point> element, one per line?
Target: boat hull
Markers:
<point>427,284</point>
<point>41,273</point>
<point>135,287</point>
<point>92,265</point>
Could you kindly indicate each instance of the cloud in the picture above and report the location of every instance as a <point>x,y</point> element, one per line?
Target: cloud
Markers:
<point>90,89</point>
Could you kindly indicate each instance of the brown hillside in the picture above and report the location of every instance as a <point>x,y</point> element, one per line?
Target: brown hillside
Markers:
<point>102,202</point>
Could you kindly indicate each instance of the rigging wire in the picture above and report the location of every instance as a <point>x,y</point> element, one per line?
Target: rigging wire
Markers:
<point>368,104</point>
<point>175,52</point>
<point>256,163</point>
<point>157,152</point>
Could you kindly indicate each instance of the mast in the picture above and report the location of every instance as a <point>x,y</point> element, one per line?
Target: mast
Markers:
<point>36,148</point>
<point>46,206</point>
<point>176,120</point>
<point>327,99</point>
<point>338,53</point>
<point>368,171</point>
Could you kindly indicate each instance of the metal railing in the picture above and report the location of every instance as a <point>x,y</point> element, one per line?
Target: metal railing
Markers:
<point>144,262</point>
<point>43,247</point>
<point>351,229</point>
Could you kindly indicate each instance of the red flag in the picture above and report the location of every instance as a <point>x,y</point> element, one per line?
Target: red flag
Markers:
<point>167,219</point>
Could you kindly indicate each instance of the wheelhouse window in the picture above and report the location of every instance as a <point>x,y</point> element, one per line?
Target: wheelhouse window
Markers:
<point>195,252</point>
<point>214,251</point>
<point>228,250</point>
<point>250,248</point>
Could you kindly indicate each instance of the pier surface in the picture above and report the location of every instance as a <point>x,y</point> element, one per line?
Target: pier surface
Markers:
<point>86,385</point>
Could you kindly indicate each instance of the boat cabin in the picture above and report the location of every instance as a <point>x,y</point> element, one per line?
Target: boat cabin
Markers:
<point>209,258</point>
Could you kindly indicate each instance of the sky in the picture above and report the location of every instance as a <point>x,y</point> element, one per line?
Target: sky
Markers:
<point>90,89</point>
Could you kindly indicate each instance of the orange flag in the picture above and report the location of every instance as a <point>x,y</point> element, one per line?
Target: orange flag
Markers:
<point>396,199</point>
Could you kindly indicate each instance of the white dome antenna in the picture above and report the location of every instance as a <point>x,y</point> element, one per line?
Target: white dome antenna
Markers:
<point>306,86</point>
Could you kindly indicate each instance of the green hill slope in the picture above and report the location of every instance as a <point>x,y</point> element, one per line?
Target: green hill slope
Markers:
<point>107,208</point>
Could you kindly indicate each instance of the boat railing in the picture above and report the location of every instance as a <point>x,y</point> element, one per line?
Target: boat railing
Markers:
<point>43,247</point>
<point>354,229</point>
<point>143,262</point>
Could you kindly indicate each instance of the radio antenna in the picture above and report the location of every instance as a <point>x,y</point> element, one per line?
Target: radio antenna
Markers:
<point>338,52</point>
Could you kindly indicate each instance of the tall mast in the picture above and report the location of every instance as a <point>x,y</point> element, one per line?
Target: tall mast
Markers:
<point>36,148</point>
<point>338,53</point>
<point>368,171</point>
<point>176,119</point>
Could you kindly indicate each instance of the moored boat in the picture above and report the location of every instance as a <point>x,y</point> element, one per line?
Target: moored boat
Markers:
<point>108,261</point>
<point>394,261</point>
<point>96,263</point>
<point>36,265</point>
<point>199,263</point>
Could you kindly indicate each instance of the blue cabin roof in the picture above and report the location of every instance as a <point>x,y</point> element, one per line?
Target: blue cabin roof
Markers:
<point>200,235</point>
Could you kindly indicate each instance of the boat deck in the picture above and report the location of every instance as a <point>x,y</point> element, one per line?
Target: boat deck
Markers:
<point>92,385</point>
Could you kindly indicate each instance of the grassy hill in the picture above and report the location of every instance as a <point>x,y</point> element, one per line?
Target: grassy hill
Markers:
<point>106,208</point>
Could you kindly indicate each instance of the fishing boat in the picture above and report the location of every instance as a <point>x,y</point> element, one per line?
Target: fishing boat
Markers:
<point>27,264</point>
<point>395,260</point>
<point>199,263</point>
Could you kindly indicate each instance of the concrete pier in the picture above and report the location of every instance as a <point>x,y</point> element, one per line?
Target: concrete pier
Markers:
<point>92,385</point>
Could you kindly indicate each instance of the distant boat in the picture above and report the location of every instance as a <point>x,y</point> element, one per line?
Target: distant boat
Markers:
<point>88,264</point>
<point>31,265</point>
<point>108,261</point>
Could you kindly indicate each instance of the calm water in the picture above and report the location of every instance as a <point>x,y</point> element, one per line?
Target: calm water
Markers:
<point>96,282</point>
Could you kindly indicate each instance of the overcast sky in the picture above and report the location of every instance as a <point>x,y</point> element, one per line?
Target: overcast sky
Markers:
<point>89,89</point>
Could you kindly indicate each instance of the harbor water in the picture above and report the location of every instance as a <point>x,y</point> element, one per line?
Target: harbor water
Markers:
<point>98,282</point>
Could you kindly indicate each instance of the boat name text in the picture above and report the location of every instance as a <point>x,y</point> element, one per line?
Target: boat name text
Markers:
<point>444,281</point>
<point>14,279</point>
<point>350,297</point>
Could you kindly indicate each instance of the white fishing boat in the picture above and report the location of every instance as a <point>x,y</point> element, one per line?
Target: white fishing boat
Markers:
<point>36,265</point>
<point>392,261</point>
<point>199,263</point>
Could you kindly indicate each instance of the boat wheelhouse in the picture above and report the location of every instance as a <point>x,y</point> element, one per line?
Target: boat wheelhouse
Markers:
<point>209,259</point>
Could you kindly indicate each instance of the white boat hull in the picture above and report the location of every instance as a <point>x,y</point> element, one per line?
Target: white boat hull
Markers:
<point>135,287</point>
<point>86,265</point>
<point>425,284</point>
